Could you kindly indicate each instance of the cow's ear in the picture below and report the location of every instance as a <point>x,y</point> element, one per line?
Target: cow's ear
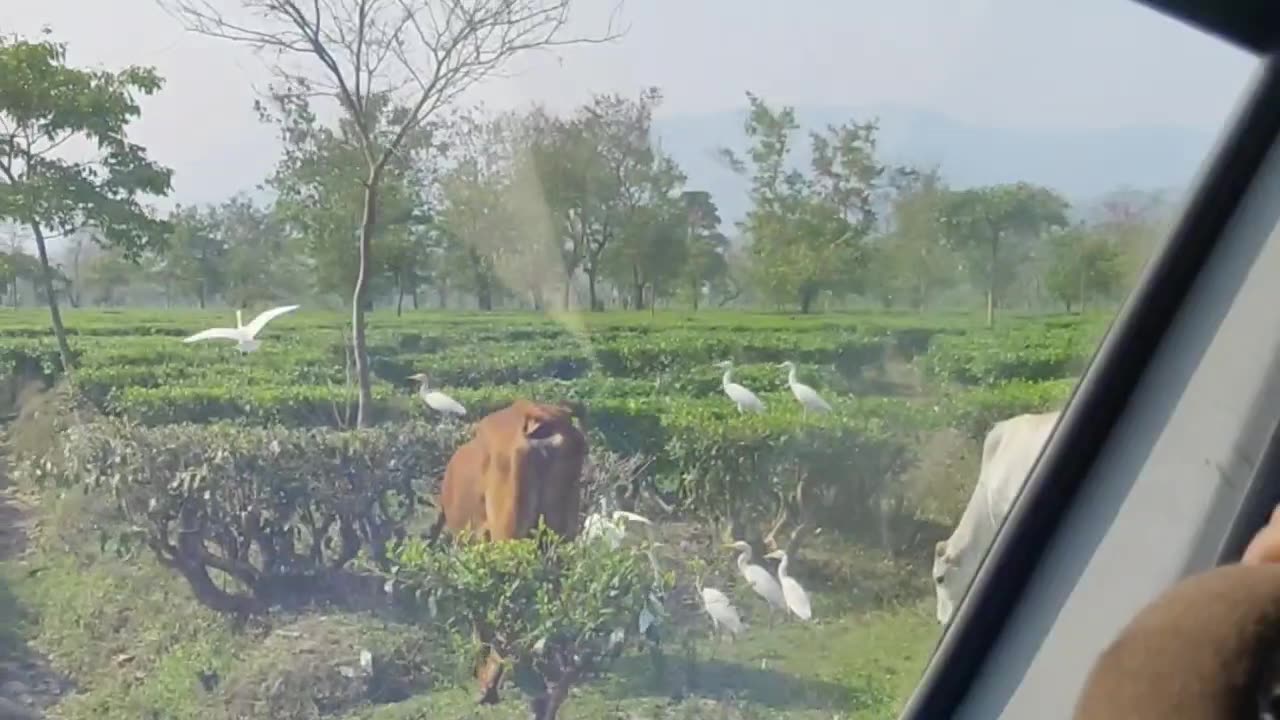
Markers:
<point>536,427</point>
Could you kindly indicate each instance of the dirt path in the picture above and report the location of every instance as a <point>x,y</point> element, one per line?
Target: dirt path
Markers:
<point>28,685</point>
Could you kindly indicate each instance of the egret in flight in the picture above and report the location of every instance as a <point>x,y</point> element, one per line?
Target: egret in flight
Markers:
<point>760,579</point>
<point>243,335</point>
<point>437,400</point>
<point>742,397</point>
<point>808,397</point>
<point>797,598</point>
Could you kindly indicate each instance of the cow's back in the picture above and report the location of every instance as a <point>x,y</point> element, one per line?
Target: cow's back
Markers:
<point>532,467</point>
<point>1009,450</point>
<point>462,490</point>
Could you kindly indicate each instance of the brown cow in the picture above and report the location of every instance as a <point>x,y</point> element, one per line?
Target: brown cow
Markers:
<point>523,465</point>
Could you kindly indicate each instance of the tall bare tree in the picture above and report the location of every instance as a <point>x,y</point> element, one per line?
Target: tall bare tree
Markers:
<point>410,57</point>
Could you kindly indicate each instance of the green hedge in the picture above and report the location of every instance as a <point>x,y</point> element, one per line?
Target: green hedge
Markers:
<point>274,509</point>
<point>1043,352</point>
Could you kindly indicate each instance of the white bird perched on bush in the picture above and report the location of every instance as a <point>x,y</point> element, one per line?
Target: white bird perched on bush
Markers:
<point>760,579</point>
<point>437,400</point>
<point>243,335</point>
<point>797,598</point>
<point>610,527</point>
<point>742,397</point>
<point>808,397</point>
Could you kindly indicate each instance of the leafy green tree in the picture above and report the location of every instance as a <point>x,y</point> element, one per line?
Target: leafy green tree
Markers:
<point>46,104</point>
<point>409,59</point>
<point>475,213</point>
<point>994,226</point>
<point>1134,223</point>
<point>260,266</point>
<point>1084,265</point>
<point>321,197</point>
<point>556,608</point>
<point>618,171</point>
<point>706,264</point>
<point>550,200</point>
<point>194,262</point>
<point>107,275</point>
<point>912,262</point>
<point>650,248</point>
<point>808,232</point>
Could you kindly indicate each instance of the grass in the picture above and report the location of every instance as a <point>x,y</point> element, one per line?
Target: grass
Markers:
<point>139,646</point>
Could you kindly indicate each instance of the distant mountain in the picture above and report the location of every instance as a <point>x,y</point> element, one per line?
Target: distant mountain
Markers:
<point>1082,164</point>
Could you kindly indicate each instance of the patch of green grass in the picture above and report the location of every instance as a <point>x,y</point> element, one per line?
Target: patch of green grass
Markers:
<point>860,667</point>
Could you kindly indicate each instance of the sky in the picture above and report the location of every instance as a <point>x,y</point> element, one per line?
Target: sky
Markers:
<point>1000,63</point>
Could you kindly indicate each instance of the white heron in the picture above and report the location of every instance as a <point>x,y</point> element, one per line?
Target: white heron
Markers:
<point>722,612</point>
<point>808,397</point>
<point>437,400</point>
<point>610,527</point>
<point>742,397</point>
<point>760,579</point>
<point>243,335</point>
<point>797,598</point>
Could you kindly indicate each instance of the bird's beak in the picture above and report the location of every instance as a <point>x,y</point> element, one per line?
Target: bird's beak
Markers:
<point>417,376</point>
<point>731,546</point>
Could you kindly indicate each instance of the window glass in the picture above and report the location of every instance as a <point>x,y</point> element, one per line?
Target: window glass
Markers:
<point>320,321</point>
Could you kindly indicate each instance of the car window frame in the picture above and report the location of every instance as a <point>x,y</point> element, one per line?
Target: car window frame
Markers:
<point>1087,423</point>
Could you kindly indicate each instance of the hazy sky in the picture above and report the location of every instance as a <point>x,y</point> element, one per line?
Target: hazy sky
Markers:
<point>1004,63</point>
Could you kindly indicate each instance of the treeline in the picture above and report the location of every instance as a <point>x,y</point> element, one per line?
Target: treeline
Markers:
<point>586,211</point>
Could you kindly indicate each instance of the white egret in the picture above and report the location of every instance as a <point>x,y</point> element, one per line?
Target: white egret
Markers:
<point>742,397</point>
<point>808,397</point>
<point>797,598</point>
<point>598,526</point>
<point>437,400</point>
<point>243,335</point>
<point>610,527</point>
<point>760,579</point>
<point>721,611</point>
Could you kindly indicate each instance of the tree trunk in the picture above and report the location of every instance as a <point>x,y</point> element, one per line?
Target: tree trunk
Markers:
<point>697,294</point>
<point>807,296</point>
<point>991,283</point>
<point>558,693</point>
<point>637,288</point>
<point>592,300</point>
<point>568,286</point>
<point>1081,291</point>
<point>46,279</point>
<point>399,294</point>
<point>364,408</point>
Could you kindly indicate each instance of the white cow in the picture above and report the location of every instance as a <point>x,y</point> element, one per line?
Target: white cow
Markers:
<point>1008,452</point>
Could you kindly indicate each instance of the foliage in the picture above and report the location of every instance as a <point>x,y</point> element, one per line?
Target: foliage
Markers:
<point>995,226</point>
<point>1085,266</point>
<point>45,103</point>
<point>545,601</point>
<point>912,263</point>
<point>1017,353</point>
<point>275,511</point>
<point>807,231</point>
